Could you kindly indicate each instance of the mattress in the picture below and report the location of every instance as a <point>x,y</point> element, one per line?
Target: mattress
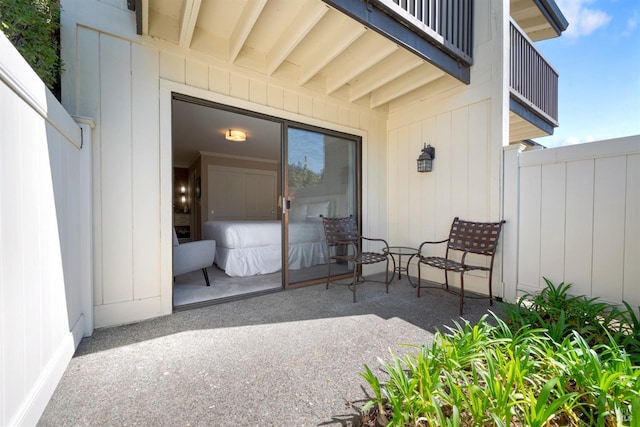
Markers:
<point>255,234</point>
<point>249,248</point>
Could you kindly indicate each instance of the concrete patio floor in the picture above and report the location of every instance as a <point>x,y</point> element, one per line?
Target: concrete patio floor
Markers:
<point>290,358</point>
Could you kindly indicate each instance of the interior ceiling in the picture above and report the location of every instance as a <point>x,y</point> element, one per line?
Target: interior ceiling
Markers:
<point>301,42</point>
<point>199,128</point>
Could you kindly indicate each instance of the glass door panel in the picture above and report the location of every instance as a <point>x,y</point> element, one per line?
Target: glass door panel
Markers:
<point>321,181</point>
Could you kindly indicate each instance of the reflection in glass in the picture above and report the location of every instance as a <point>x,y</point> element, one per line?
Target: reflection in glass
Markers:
<point>321,182</point>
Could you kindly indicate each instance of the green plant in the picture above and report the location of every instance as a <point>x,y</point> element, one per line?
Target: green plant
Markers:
<point>561,314</point>
<point>32,27</point>
<point>491,374</point>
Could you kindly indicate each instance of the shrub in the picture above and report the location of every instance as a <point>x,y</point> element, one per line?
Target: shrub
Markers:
<point>558,360</point>
<point>561,313</point>
<point>32,26</point>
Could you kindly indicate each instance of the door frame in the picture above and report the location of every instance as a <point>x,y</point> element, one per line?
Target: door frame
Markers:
<point>167,89</point>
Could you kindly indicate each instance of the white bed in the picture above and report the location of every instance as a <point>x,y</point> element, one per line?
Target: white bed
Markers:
<point>247,248</point>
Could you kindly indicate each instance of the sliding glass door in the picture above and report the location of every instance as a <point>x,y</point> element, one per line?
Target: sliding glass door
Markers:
<point>321,180</point>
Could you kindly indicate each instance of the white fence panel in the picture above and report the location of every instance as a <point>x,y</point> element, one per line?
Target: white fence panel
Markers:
<point>578,219</point>
<point>45,240</point>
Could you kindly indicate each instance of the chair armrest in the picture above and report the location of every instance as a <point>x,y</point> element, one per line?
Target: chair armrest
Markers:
<point>371,239</point>
<point>428,242</point>
<point>192,256</point>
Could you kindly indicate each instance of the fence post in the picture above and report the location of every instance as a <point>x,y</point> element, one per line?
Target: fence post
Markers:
<point>86,221</point>
<point>511,213</point>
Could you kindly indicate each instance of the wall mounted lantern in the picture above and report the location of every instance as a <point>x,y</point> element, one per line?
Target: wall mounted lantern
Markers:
<point>425,160</point>
<point>235,135</point>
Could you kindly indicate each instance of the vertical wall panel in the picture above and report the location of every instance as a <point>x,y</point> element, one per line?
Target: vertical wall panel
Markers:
<point>239,86</point>
<point>12,289</point>
<point>172,67</point>
<point>218,80</point>
<point>88,82</point>
<point>291,101</point>
<point>393,141</point>
<point>413,186</point>
<point>579,226</point>
<point>552,222</point>
<point>275,97</point>
<point>442,174</point>
<point>479,148</point>
<point>401,188</point>
<point>258,92</point>
<point>631,291</point>
<point>608,231</point>
<point>117,197</point>
<point>145,173</point>
<point>459,162</point>
<point>529,252</point>
<point>196,74</point>
<point>424,201</point>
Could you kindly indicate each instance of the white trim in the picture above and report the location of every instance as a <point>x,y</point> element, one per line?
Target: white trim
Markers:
<point>590,150</point>
<point>131,311</point>
<point>167,87</point>
<point>35,400</point>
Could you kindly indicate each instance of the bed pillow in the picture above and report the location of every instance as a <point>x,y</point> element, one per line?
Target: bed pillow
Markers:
<point>298,212</point>
<point>316,210</point>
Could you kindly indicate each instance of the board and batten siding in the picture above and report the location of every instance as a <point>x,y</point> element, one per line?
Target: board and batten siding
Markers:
<point>466,125</point>
<point>579,219</point>
<point>125,82</point>
<point>45,244</point>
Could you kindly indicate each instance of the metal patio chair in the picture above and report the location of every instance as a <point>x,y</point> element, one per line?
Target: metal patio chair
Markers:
<point>465,237</point>
<point>344,245</point>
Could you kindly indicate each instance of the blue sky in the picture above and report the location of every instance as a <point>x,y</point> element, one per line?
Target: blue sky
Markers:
<point>598,59</point>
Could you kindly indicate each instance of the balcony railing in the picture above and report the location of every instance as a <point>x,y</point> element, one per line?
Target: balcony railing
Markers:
<point>448,21</point>
<point>533,81</point>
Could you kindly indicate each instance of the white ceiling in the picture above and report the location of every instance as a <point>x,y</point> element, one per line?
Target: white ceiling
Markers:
<point>199,128</point>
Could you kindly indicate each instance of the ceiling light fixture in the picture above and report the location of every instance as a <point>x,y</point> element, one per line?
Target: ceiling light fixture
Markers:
<point>236,135</point>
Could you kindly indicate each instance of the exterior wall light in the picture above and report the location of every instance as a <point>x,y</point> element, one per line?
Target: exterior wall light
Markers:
<point>425,160</point>
<point>235,135</point>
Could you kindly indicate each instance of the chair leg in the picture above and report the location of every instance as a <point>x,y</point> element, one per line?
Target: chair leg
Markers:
<point>490,287</point>
<point>386,276</point>
<point>328,272</point>
<point>206,276</point>
<point>461,291</point>
<point>355,280</point>
<point>419,282</point>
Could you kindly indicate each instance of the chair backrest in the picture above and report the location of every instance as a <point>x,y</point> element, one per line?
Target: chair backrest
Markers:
<point>478,237</point>
<point>343,229</point>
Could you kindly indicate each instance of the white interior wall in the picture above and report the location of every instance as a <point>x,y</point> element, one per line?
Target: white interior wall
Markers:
<point>468,126</point>
<point>125,82</point>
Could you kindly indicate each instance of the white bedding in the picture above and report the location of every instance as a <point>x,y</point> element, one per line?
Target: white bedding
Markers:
<point>247,248</point>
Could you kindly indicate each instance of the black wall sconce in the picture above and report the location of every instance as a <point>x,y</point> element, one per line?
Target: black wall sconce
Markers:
<point>425,161</point>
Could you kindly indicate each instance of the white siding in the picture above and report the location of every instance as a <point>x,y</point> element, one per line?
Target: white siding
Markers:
<point>464,125</point>
<point>45,235</point>
<point>125,82</point>
<point>579,219</point>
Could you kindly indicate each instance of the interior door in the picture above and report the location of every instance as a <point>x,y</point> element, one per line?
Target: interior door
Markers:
<point>321,180</point>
